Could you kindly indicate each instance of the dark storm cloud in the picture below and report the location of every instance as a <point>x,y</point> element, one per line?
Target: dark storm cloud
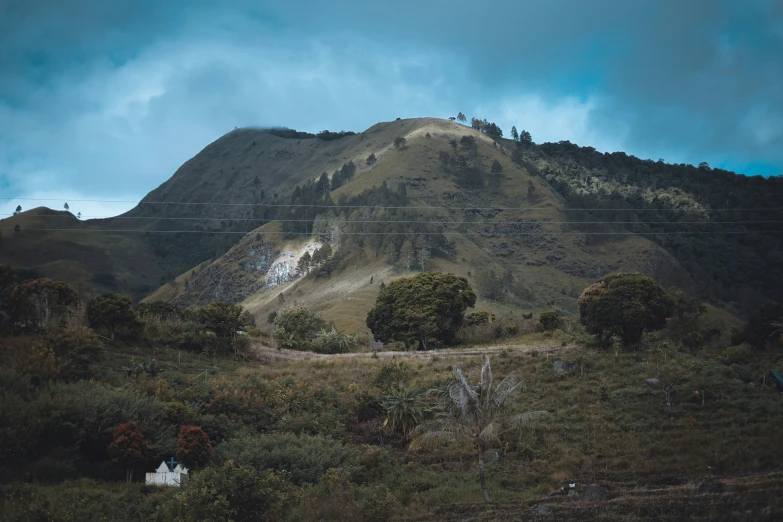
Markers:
<point>135,88</point>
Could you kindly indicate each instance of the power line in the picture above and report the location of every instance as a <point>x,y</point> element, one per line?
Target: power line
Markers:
<point>442,207</point>
<point>513,233</point>
<point>522,222</point>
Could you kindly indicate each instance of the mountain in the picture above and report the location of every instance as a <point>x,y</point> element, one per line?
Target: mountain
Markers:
<point>529,225</point>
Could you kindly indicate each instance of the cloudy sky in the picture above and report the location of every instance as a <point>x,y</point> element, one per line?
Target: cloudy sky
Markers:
<point>104,100</point>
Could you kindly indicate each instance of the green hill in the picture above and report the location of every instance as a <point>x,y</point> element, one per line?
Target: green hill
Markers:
<point>512,217</point>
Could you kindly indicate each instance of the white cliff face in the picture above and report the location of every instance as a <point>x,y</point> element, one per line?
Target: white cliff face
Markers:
<point>283,269</point>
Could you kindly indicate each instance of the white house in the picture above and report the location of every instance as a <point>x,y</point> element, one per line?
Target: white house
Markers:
<point>164,476</point>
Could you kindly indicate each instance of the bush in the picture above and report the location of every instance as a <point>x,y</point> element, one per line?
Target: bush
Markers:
<point>75,350</point>
<point>479,317</point>
<point>391,373</point>
<point>549,320</point>
<point>335,341</point>
<point>297,326</point>
<point>231,492</point>
<point>304,458</point>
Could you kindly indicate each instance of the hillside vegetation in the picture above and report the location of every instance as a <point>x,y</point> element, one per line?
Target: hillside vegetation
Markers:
<point>505,214</point>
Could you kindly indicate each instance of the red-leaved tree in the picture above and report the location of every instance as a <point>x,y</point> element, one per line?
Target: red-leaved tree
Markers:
<point>128,447</point>
<point>193,446</point>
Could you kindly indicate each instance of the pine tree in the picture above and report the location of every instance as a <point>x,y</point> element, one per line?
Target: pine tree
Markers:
<point>303,266</point>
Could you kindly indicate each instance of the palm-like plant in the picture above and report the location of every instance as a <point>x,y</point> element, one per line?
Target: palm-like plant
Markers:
<point>475,413</point>
<point>404,408</point>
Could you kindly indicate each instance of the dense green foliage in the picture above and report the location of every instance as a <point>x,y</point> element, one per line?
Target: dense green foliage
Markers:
<point>113,312</point>
<point>297,326</point>
<point>229,493</point>
<point>743,267</point>
<point>625,305</point>
<point>39,304</point>
<point>291,134</point>
<point>426,308</point>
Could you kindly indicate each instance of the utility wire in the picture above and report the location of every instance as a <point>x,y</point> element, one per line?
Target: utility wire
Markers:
<point>523,222</point>
<point>513,233</point>
<point>409,207</point>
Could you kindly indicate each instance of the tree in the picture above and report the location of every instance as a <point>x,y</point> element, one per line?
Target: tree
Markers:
<point>224,320</point>
<point>444,157</point>
<point>549,320</point>
<point>497,168</point>
<point>193,446</point>
<point>686,311</point>
<point>42,303</point>
<point>704,165</point>
<point>18,210</point>
<point>453,143</point>
<point>399,143</point>
<point>79,215</point>
<point>128,447</point>
<point>625,305</point>
<point>514,134</point>
<point>404,408</point>
<point>427,307</point>
<point>475,414</point>
<point>371,160</point>
<point>461,118</point>
<point>66,207</point>
<point>525,137</point>
<point>303,266</point>
<point>112,311</point>
<point>452,118</point>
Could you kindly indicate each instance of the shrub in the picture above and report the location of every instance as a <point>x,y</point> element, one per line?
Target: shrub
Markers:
<point>549,320</point>
<point>304,458</point>
<point>335,341</point>
<point>479,317</point>
<point>75,350</point>
<point>296,326</point>
<point>390,373</point>
<point>625,305</point>
<point>231,492</point>
<point>404,408</point>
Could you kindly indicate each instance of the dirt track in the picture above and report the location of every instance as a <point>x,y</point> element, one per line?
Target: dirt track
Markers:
<point>267,354</point>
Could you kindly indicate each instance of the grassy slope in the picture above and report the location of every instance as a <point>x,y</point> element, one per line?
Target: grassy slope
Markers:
<point>79,257</point>
<point>346,296</point>
<point>606,427</point>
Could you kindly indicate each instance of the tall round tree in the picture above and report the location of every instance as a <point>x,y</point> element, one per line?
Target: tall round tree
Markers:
<point>128,447</point>
<point>428,307</point>
<point>193,446</point>
<point>112,311</point>
<point>624,305</point>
